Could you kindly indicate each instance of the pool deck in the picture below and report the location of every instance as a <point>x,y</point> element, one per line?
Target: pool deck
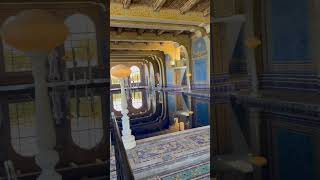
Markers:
<point>169,153</point>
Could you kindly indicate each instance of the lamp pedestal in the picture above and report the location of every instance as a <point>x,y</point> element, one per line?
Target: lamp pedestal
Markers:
<point>128,139</point>
<point>47,158</point>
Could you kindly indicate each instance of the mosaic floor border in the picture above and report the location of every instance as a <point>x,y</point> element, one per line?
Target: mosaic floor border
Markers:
<point>168,153</point>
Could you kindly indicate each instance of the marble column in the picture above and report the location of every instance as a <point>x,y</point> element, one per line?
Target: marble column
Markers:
<point>128,139</point>
<point>47,158</point>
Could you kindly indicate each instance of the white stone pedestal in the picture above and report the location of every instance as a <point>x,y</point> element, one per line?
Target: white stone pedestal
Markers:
<point>127,138</point>
<point>47,158</point>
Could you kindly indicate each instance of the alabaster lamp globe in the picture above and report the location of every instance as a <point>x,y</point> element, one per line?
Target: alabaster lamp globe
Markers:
<point>120,71</point>
<point>34,31</point>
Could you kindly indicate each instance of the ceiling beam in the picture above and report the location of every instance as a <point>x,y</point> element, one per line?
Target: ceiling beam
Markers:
<point>149,25</point>
<point>188,5</point>
<point>157,5</point>
<point>206,12</point>
<point>182,39</point>
<point>140,31</point>
<point>145,13</point>
<point>178,32</point>
<point>126,3</point>
<point>119,30</point>
<point>159,32</point>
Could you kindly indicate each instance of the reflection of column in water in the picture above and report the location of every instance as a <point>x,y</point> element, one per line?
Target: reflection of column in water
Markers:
<point>192,119</point>
<point>176,124</point>
<point>187,121</point>
<point>181,126</point>
<point>148,100</point>
<point>160,97</point>
<point>154,103</point>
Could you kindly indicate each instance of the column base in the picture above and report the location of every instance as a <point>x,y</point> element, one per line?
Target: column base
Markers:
<point>47,161</point>
<point>50,176</point>
<point>129,142</point>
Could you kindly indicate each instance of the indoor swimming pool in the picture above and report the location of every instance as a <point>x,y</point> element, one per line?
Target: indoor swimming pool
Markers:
<point>154,113</point>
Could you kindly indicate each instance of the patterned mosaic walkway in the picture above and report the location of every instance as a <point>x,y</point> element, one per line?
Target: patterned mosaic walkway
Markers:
<point>169,155</point>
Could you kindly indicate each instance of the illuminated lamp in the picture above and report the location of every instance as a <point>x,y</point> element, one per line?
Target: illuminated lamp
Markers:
<point>120,71</point>
<point>35,31</point>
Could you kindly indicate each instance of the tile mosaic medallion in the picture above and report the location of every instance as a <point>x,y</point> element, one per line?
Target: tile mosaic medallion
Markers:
<point>185,152</point>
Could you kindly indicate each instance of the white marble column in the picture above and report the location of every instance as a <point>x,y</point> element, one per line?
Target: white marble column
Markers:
<point>128,139</point>
<point>47,158</point>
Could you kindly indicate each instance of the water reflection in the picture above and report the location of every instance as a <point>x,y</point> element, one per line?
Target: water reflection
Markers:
<point>162,113</point>
<point>137,99</point>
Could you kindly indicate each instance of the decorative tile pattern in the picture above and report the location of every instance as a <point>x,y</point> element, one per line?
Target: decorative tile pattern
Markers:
<point>304,110</point>
<point>199,171</point>
<point>292,82</point>
<point>160,155</point>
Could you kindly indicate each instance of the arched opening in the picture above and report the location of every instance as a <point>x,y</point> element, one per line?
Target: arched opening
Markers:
<point>23,128</point>
<point>200,64</point>
<point>137,99</point>
<point>81,45</point>
<point>169,71</point>
<point>86,121</point>
<point>135,76</point>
